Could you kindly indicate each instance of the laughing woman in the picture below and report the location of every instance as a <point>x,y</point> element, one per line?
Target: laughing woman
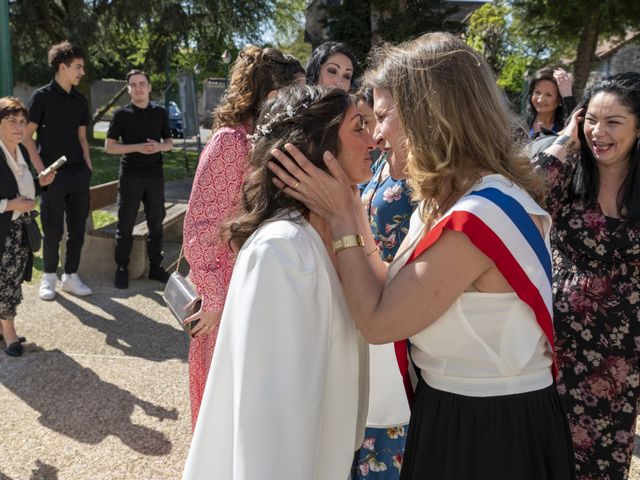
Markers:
<point>593,172</point>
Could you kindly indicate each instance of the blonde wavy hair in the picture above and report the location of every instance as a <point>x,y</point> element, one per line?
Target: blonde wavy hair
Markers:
<point>456,121</point>
<point>256,72</point>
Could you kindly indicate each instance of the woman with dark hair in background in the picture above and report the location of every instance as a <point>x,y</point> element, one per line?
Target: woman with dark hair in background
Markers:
<point>17,202</point>
<point>551,100</point>
<point>593,175</point>
<point>388,206</point>
<point>331,65</point>
<point>286,395</point>
<point>222,167</point>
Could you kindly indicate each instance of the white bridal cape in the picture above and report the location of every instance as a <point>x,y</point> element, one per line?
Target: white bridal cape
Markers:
<point>287,390</point>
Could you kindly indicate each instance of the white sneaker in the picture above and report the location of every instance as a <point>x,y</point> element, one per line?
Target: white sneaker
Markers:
<point>48,286</point>
<point>71,283</point>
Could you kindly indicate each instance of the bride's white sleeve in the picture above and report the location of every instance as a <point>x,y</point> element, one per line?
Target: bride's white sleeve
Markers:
<point>262,410</point>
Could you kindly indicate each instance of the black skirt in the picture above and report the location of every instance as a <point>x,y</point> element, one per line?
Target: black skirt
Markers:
<point>512,437</point>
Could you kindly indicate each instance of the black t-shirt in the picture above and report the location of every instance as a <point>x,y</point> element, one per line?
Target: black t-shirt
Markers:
<point>136,125</point>
<point>58,115</point>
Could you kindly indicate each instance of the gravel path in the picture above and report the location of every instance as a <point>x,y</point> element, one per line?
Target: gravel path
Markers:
<point>101,392</point>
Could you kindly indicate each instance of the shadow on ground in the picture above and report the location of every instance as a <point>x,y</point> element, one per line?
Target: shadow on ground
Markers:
<point>130,331</point>
<point>44,472</point>
<point>73,401</point>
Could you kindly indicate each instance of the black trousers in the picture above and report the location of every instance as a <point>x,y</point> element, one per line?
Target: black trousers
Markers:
<point>132,191</point>
<point>68,194</point>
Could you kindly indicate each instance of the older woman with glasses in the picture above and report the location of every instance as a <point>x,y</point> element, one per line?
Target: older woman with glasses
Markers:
<point>17,192</point>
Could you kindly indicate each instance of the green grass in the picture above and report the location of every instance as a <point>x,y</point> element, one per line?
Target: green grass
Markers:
<point>105,167</point>
<point>102,218</point>
<point>99,135</point>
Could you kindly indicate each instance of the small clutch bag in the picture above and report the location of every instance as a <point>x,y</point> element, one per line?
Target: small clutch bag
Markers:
<point>181,298</point>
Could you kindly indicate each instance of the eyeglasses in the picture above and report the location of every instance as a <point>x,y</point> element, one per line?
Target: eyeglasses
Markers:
<point>14,122</point>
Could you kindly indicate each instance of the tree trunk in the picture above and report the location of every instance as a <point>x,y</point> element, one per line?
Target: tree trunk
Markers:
<point>585,53</point>
<point>105,108</point>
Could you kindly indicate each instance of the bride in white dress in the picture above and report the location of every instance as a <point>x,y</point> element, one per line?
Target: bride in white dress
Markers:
<point>287,392</point>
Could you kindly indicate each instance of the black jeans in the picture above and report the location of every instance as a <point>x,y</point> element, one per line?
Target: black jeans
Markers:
<point>68,194</point>
<point>132,191</point>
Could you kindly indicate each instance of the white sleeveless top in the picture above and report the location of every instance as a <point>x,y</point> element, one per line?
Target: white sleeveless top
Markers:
<point>485,344</point>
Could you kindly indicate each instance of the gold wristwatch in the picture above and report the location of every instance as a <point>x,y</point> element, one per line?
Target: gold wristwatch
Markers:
<point>347,241</point>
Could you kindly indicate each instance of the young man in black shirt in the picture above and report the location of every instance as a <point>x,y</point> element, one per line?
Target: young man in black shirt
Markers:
<point>140,133</point>
<point>60,115</point>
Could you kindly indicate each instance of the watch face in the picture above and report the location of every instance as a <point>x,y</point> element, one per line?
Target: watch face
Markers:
<point>346,242</point>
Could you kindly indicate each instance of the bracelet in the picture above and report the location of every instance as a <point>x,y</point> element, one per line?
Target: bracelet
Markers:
<point>347,241</point>
<point>375,249</point>
<point>565,141</point>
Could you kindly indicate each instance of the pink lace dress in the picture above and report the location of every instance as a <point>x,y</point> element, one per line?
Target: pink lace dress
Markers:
<point>216,187</point>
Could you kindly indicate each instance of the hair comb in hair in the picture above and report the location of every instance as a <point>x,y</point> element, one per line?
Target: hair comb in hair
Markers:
<point>265,129</point>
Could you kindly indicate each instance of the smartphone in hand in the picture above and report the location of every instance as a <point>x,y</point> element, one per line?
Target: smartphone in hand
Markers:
<point>53,167</point>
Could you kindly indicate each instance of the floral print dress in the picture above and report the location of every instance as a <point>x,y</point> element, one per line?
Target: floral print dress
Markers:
<point>217,185</point>
<point>389,208</point>
<point>596,263</point>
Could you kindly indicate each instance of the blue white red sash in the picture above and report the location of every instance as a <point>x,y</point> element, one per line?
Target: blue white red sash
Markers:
<point>510,238</point>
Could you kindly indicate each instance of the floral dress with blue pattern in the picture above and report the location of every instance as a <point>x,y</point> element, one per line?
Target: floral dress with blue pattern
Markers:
<point>389,207</point>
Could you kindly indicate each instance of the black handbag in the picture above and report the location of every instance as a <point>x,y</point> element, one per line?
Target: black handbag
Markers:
<point>34,237</point>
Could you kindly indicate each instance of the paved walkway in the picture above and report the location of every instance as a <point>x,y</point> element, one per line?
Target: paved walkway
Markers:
<point>101,392</point>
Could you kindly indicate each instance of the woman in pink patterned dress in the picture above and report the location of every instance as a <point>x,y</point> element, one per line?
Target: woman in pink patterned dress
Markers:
<point>216,188</point>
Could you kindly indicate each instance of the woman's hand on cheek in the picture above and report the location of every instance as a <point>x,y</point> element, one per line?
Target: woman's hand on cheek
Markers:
<point>328,195</point>
<point>577,118</point>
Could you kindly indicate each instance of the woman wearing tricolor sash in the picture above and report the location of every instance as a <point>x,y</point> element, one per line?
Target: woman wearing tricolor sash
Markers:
<point>471,284</point>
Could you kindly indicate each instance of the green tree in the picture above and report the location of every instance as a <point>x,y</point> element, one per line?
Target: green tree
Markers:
<point>297,47</point>
<point>401,20</point>
<point>578,24</point>
<point>488,33</point>
<point>350,24</point>
<point>360,23</point>
<point>122,34</point>
<point>508,46</point>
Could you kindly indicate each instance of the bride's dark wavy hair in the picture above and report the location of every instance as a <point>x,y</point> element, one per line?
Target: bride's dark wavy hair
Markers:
<point>307,117</point>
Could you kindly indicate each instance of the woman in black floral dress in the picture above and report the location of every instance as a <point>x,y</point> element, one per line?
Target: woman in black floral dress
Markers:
<point>595,204</point>
<point>17,192</point>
